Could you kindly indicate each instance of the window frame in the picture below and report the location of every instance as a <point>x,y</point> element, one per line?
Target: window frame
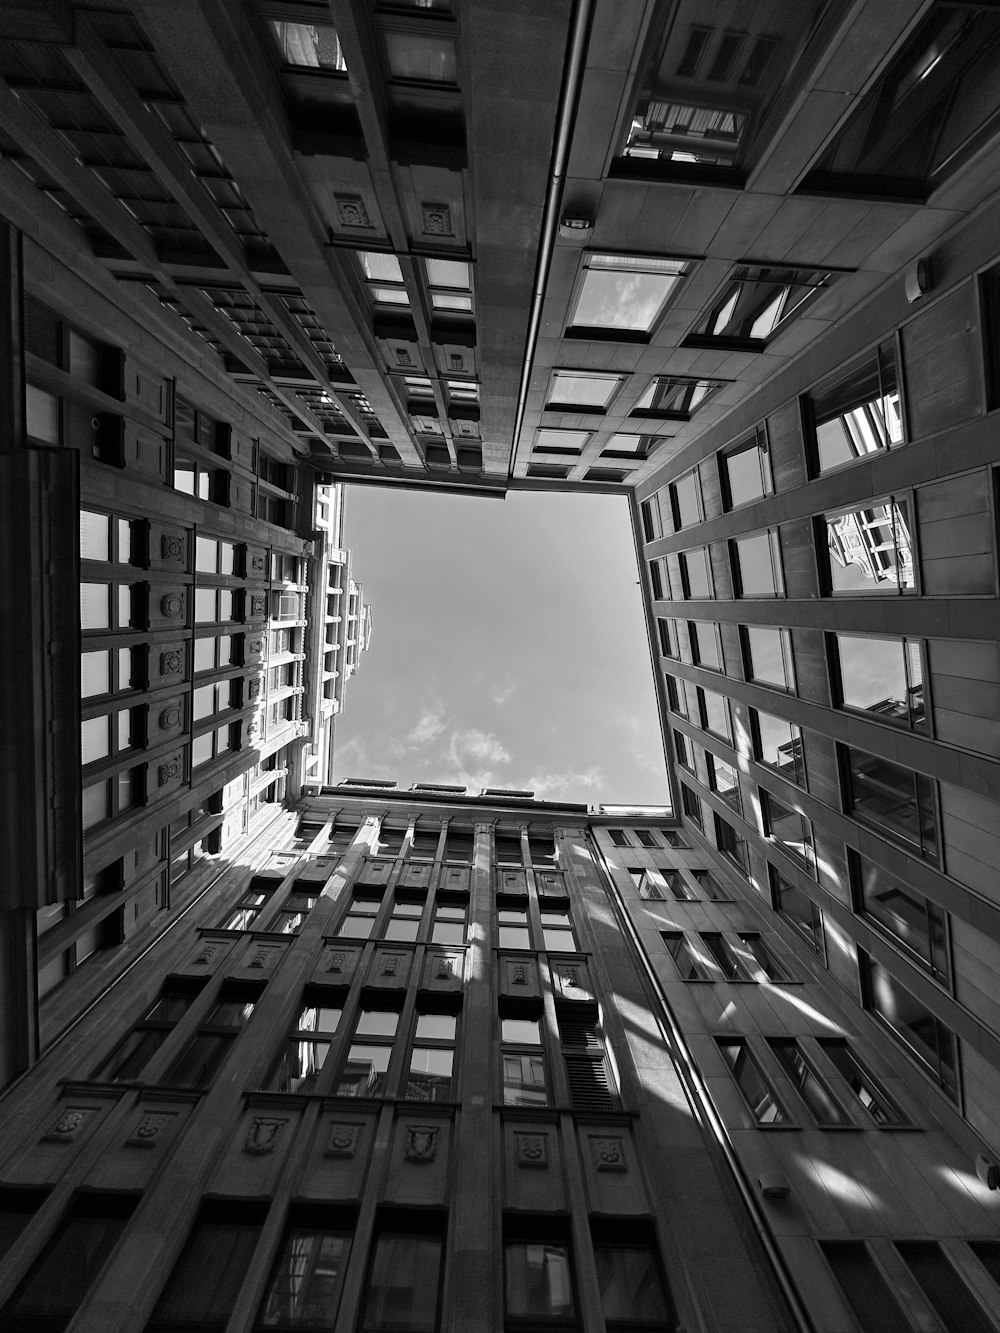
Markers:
<point>773,538</point>
<point>617,379</point>
<point>917,721</point>
<point>624,332</point>
<point>894,505</point>
<point>758,442</point>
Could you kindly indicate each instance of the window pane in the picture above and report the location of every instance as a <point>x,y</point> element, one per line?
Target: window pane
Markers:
<point>300,1066</point>
<point>582,388</point>
<point>206,1280</point>
<point>769,656</point>
<point>897,801</point>
<point>716,714</point>
<point>810,1087</point>
<point>538,1283</point>
<point>870,550</point>
<point>95,536</point>
<point>198,1061</point>
<point>58,1281</point>
<point>631,1289</point>
<point>437,1027</point>
<point>910,918</point>
<point>133,1055</point>
<point>95,804</point>
<point>696,571</point>
<point>414,56</point>
<point>309,45</point>
<point>523,1031</point>
<point>878,1105</point>
<point>204,605</point>
<point>448,273</point>
<point>523,1080</point>
<point>365,1070</point>
<point>883,677</point>
<point>622,293</point>
<point>514,937</point>
<point>204,657</point>
<point>430,1073</point>
<point>760,1098</point>
<point>402,1294</point>
<point>305,1284</point>
<point>746,473</point>
<point>377,1023</point>
<point>95,674</point>
<point>95,740</point>
<point>686,494</point>
<point>920,1030</point>
<point>866,1289</point>
<point>95,606</point>
<point>758,565</point>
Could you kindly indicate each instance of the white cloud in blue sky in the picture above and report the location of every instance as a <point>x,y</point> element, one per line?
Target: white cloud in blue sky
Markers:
<point>508,647</point>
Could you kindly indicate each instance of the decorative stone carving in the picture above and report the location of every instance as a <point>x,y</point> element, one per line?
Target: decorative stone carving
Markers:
<point>445,969</point>
<point>255,646</point>
<point>170,717</point>
<point>531,1150</point>
<point>263,1134</point>
<point>422,1142</point>
<point>171,548</point>
<point>258,605</point>
<point>352,211</point>
<point>208,952</point>
<point>571,977</point>
<point>344,1141</point>
<point>252,728</point>
<point>456,361</point>
<point>172,663</point>
<point>172,605</point>
<point>335,962</point>
<point>608,1154</point>
<point>519,975</point>
<point>403,357</point>
<point>389,965</point>
<point>253,688</point>
<point>257,562</point>
<point>436,220</point>
<point>261,958</point>
<point>168,772</point>
<point>70,1125</point>
<point>150,1128</point>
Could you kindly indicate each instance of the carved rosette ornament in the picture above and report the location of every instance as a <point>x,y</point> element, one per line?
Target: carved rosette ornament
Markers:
<point>352,211</point>
<point>436,220</point>
<point>608,1154</point>
<point>172,605</point>
<point>255,646</point>
<point>532,1150</point>
<point>171,548</point>
<point>69,1126</point>
<point>170,717</point>
<point>171,663</point>
<point>344,1141</point>
<point>422,1142</point>
<point>168,772</point>
<point>149,1129</point>
<point>258,605</point>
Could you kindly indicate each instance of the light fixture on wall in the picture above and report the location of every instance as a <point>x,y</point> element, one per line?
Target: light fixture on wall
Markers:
<point>988,1172</point>
<point>918,280</point>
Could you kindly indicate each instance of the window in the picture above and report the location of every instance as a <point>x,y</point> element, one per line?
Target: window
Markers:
<point>113,796</point>
<point>309,46</point>
<point>199,1061</point>
<point>557,930</point>
<point>788,828</point>
<point>432,1057</point>
<point>756,301</point>
<point>111,734</point>
<point>401,1294</point>
<point>910,919</point>
<point>933,1045</point>
<point>561,442</point>
<point>691,804</point>
<point>424,843</point>
<point>957,1309</point>
<point>859,413</point>
<point>682,751</point>
<point>448,925</point>
<point>659,578</point>
<point>205,1282</point>
<point>714,714</point>
<point>107,539</point>
<point>928,111</point>
<point>522,1060</point>
<point>212,744</point>
<point>404,922</point>
<point>538,1279</point>
<point>685,500</point>
<point>675,399</point>
<point>588,1069</point>
<point>218,605</point>
<point>866,1290</point>
<point>724,781</point>
<point>732,965</point>
<point>757,956</point>
<point>731,845</point>
<point>863,1086</point>
<point>420,57</point>
<point>897,802</point>
<point>360,919</point>
<point>881,677</point>
<point>671,131</point>
<point>745,471</point>
<point>652,519</point>
<point>364,1072</point>
<point>869,550</point>
<point>633,1296</point>
<point>108,606</point>
<point>57,1282</point>
<point>808,1082</point>
<point>624,293</point>
<point>217,652</point>
<point>294,911</point>
<point>757,565</point>
<point>134,1052</point>
<point>689,967</point>
<point>582,390</point>
<point>308,1045</point>
<point>449,281</point>
<point>754,1087</point>
<point>706,647</point>
<point>619,837</point>
<point>768,656</point>
<point>110,671</point>
<point>192,477</point>
<point>709,886</point>
<point>779,745</point>
<point>798,909</point>
<point>212,699</point>
<point>384,279</point>
<point>667,632</point>
<point>305,1284</point>
<point>676,695</point>
<point>696,573</point>
<point>249,906</point>
<point>17,1207</point>
<point>646,837</point>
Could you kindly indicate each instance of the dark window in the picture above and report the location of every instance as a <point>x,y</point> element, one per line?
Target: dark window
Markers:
<point>689,967</point>
<point>756,302</point>
<point>709,886</point>
<point>757,955</point>
<point>365,1070</point>
<point>132,1055</point>
<point>859,413</point>
<point>652,523</point>
<point>308,1045</point>
<point>206,1280</point>
<point>881,677</point>
<point>757,565</point>
<point>538,1280</point>
<point>633,1296</point>
<point>745,471</point>
<point>17,1207</point>
<point>955,1305</point>
<point>869,550</point>
<point>56,1283</point>
<point>920,1031</point>
<point>757,1092</point>
<point>866,1290</point>
<point>808,1082</point>
<point>779,745</point>
<point>432,1057</point>
<point>732,965</point>
<point>731,845</point>
<point>674,398</point>
<point>724,781</point>
<point>768,656</point>
<point>646,838</point>
<point>927,113</point>
<point>789,828</point>
<point>401,1294</point>
<point>681,751</point>
<point>691,804</point>
<point>897,802</point>
<point>305,1285</point>
<point>798,909</point>
<point>714,709</point>
<point>864,1087</point>
<point>667,631</point>
<point>618,837</point>
<point>676,695</point>
<point>912,920</point>
<point>685,500</point>
<point>657,579</point>
<point>199,1061</point>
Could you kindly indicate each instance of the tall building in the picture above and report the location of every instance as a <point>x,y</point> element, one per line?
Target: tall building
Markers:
<point>736,262</point>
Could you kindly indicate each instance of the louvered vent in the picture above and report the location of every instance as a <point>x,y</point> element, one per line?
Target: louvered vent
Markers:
<point>589,1083</point>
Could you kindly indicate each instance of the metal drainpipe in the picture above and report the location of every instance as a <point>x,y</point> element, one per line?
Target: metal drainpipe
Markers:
<point>134,963</point>
<point>579,35</point>
<point>698,1092</point>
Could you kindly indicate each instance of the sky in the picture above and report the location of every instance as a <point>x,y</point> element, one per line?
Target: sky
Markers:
<point>508,647</point>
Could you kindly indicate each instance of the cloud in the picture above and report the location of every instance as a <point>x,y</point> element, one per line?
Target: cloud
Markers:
<point>502,693</point>
<point>351,757</point>
<point>477,747</point>
<point>556,785</point>
<point>429,727</point>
